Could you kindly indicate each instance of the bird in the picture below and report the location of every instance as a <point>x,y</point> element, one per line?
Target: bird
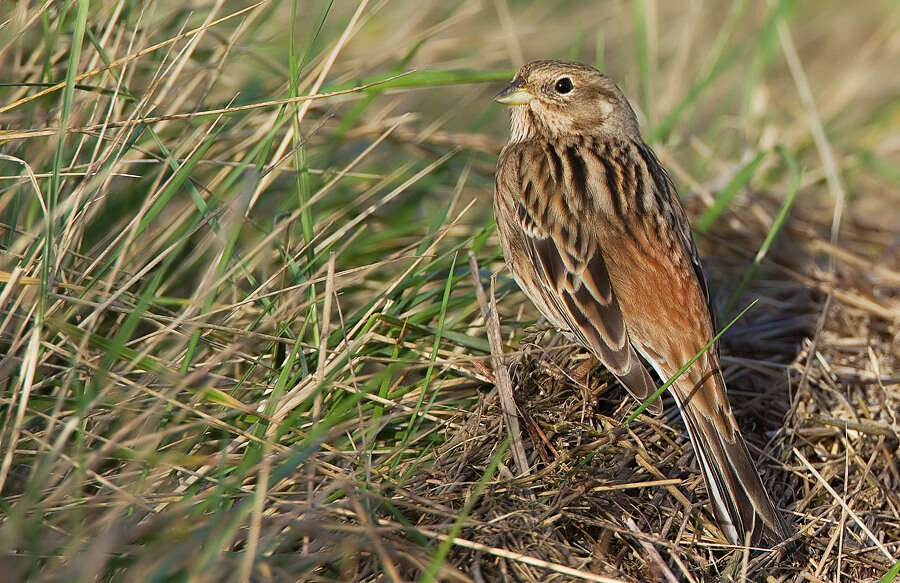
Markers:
<point>593,230</point>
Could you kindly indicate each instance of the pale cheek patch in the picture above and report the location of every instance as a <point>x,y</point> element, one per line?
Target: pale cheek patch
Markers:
<point>605,107</point>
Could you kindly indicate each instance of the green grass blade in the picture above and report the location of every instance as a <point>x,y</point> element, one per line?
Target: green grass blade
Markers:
<point>447,543</point>
<point>796,175</point>
<point>891,574</point>
<point>643,44</point>
<point>726,197</point>
<point>55,179</point>
<point>658,392</point>
<point>415,419</point>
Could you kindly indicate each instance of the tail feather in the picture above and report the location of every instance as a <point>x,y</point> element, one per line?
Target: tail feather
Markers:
<point>739,500</point>
<point>640,385</point>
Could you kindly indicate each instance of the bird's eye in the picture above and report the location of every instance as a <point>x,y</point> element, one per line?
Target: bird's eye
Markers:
<point>563,85</point>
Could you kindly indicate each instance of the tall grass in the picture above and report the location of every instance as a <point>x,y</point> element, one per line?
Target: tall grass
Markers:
<point>238,325</point>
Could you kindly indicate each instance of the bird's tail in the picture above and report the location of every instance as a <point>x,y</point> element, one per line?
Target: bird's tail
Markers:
<point>739,499</point>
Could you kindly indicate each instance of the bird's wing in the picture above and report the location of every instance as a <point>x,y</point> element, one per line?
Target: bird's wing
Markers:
<point>554,212</point>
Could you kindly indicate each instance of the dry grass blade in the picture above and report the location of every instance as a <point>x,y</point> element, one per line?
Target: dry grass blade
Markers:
<point>501,373</point>
<point>837,497</point>
<point>651,551</point>
<point>575,574</point>
<point>823,145</point>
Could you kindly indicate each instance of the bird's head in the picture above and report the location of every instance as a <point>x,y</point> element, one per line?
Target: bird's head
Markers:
<point>558,98</point>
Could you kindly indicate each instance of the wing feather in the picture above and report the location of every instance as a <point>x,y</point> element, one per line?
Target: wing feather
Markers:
<point>571,271</point>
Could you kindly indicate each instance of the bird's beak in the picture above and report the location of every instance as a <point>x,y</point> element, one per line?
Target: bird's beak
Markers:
<point>514,94</point>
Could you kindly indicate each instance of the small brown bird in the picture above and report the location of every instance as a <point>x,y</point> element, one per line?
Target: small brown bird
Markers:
<point>596,236</point>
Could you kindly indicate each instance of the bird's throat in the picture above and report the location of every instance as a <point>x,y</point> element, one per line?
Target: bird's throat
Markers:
<point>522,126</point>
